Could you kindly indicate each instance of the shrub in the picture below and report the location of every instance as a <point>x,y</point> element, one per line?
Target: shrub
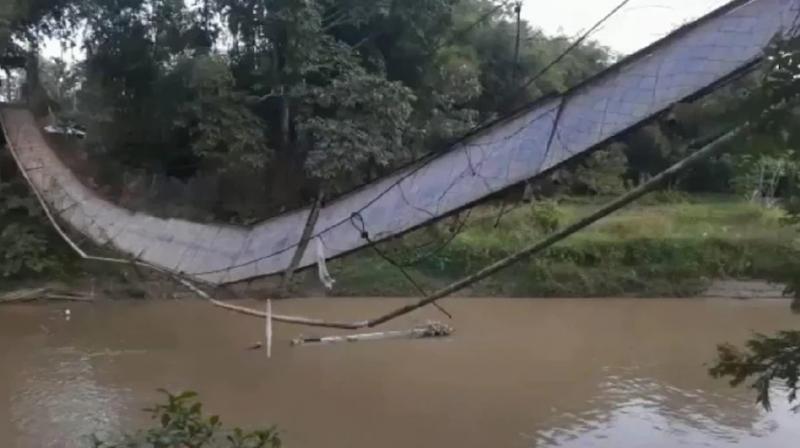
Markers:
<point>547,216</point>
<point>26,242</point>
<point>181,423</point>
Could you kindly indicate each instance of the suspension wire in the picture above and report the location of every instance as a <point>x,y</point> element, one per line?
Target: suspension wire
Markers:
<point>537,76</point>
<point>577,43</point>
<point>468,29</point>
<point>358,223</point>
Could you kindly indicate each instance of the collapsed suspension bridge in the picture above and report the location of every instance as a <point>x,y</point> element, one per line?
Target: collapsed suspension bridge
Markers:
<point>686,64</point>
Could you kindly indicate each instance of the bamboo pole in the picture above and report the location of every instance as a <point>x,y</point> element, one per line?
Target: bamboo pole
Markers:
<point>298,320</point>
<point>311,222</point>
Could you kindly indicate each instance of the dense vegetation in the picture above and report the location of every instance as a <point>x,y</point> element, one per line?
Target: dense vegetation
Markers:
<point>189,104</point>
<point>673,245</point>
<point>288,99</point>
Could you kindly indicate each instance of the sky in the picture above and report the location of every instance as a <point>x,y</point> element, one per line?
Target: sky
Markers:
<point>640,23</point>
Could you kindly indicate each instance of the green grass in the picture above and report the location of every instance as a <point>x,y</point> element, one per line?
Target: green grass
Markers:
<point>655,249</point>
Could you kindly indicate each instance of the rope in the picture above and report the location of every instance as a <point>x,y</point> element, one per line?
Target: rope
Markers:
<point>358,223</point>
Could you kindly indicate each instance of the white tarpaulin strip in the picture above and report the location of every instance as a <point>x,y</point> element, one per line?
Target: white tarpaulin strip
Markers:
<point>324,275</point>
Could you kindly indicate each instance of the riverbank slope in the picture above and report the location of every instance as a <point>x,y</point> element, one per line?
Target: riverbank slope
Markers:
<point>667,246</point>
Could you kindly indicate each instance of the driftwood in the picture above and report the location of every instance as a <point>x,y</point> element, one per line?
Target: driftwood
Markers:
<point>430,330</point>
<point>43,293</point>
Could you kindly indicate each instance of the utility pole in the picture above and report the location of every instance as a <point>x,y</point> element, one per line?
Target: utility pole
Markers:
<point>514,73</point>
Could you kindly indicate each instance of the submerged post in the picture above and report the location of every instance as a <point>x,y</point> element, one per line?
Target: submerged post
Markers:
<point>268,329</point>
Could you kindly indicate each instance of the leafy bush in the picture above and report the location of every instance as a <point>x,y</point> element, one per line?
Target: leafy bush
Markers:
<point>26,242</point>
<point>547,216</point>
<point>181,423</point>
<point>664,250</point>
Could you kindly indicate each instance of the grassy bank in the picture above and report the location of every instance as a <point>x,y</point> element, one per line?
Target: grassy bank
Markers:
<point>670,248</point>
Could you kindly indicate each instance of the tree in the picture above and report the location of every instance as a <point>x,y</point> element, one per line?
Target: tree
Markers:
<point>303,95</point>
<point>767,359</point>
<point>30,248</point>
<point>760,176</point>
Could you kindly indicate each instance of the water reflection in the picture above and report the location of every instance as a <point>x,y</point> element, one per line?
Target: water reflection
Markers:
<point>642,412</point>
<point>59,386</point>
<point>518,373</point>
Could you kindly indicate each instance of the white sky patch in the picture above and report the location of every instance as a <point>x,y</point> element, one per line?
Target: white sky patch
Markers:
<point>637,25</point>
<point>640,23</point>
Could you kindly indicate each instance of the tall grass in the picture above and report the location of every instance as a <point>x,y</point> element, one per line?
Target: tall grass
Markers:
<point>655,249</point>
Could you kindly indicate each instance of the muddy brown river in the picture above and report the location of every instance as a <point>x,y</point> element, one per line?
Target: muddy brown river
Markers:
<point>517,373</point>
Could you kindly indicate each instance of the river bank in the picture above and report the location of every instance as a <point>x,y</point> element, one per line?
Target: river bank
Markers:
<point>668,246</point>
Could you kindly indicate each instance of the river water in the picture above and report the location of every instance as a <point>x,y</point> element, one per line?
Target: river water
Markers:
<point>517,373</point>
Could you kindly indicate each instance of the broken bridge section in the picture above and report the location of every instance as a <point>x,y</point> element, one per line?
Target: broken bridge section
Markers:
<point>546,134</point>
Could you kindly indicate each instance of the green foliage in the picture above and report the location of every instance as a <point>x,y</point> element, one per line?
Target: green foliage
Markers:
<point>602,173</point>
<point>354,121</point>
<point>765,360</point>
<point>221,128</point>
<point>27,247</point>
<point>182,423</point>
<point>667,196</point>
<point>295,95</point>
<point>660,249</point>
<point>760,175</point>
<point>546,216</point>
<point>60,80</point>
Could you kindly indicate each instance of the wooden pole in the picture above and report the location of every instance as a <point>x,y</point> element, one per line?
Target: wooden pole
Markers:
<point>305,238</point>
<point>515,71</point>
<point>268,329</point>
